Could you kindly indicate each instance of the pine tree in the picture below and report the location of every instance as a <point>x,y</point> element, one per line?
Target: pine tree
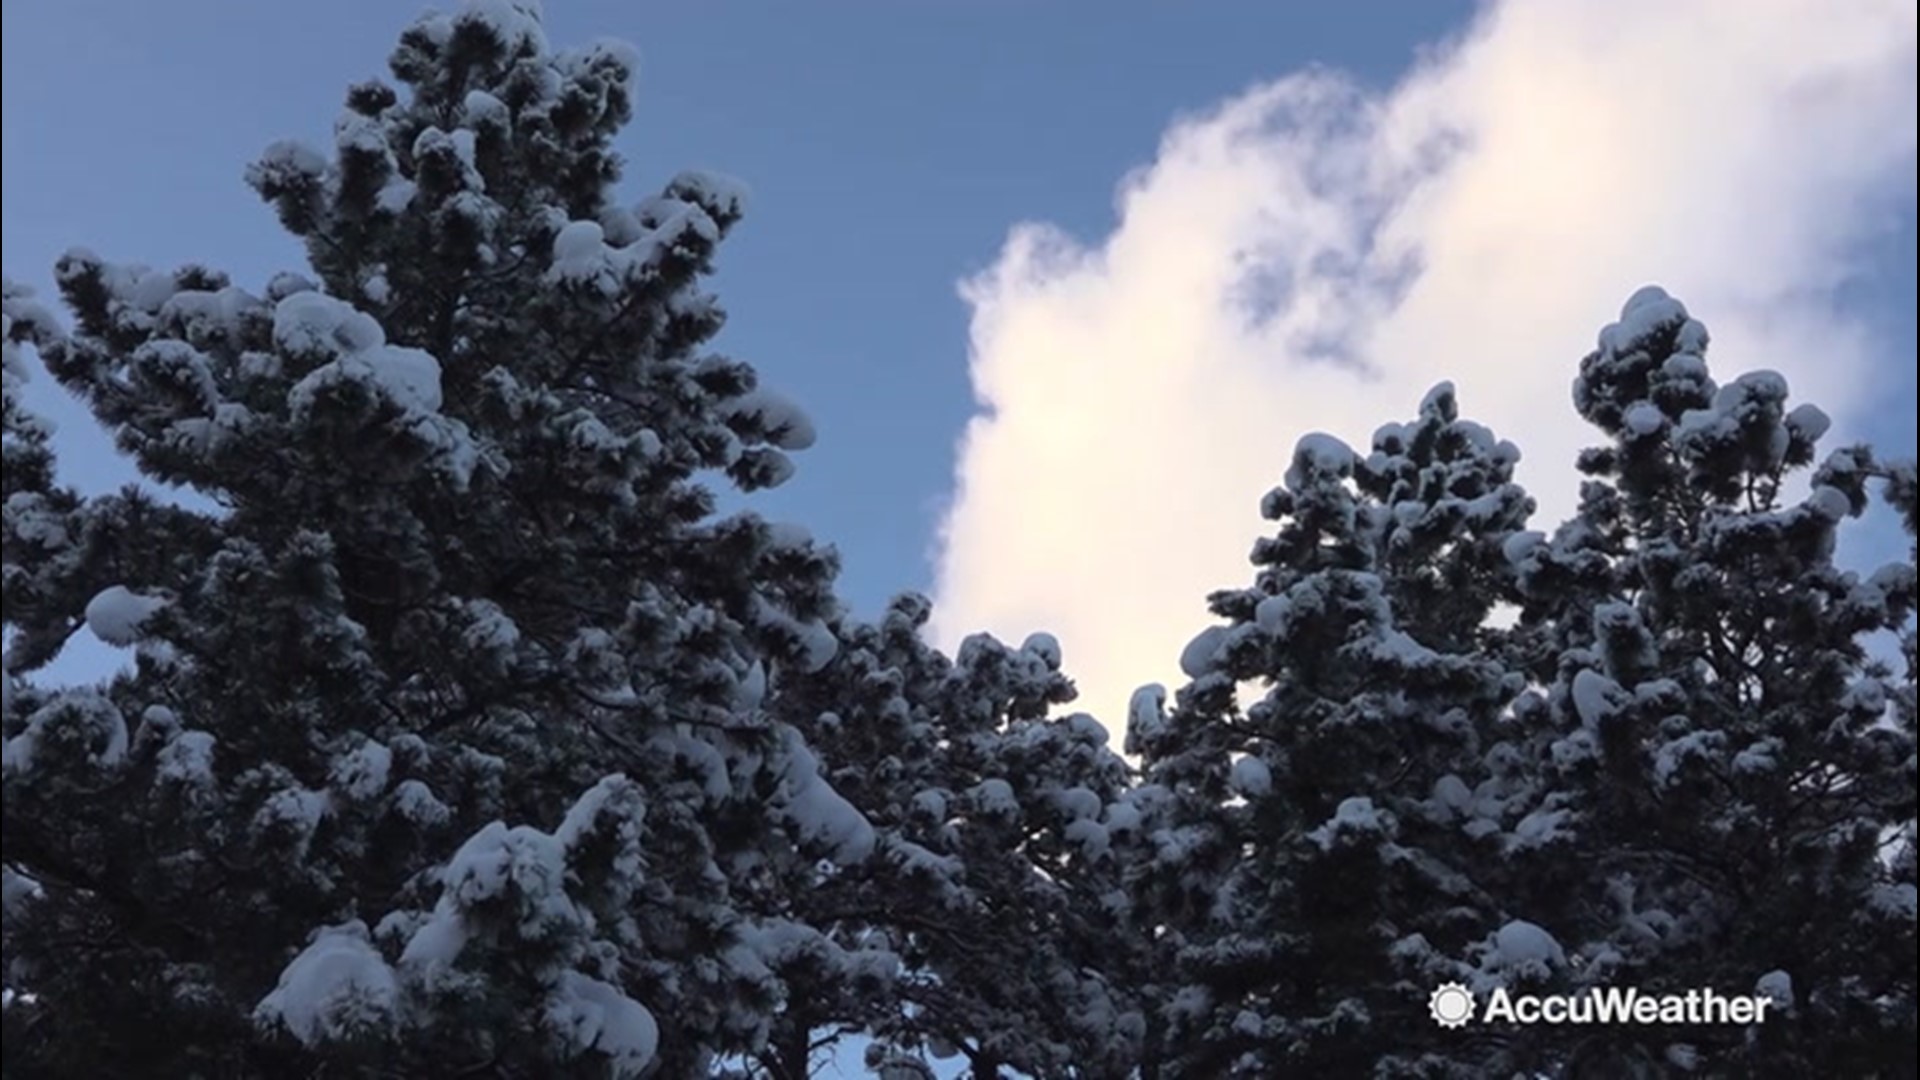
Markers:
<point>443,749</point>
<point>1322,858</point>
<point>37,508</point>
<point>1740,768</point>
<point>995,888</point>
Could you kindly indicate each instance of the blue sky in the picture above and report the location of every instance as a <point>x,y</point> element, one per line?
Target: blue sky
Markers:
<point>1449,191</point>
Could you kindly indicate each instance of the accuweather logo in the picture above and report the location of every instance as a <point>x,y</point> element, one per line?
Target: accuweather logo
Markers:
<point>1452,1005</point>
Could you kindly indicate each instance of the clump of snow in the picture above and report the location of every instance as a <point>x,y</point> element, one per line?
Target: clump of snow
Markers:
<point>1866,696</point>
<point>1201,655</point>
<point>1895,900</point>
<point>295,812</point>
<point>611,50</point>
<point>337,988</point>
<point>1439,400</point>
<point>1045,646</point>
<point>1692,338</point>
<point>1671,759</point>
<point>1621,636</point>
<point>1452,792</point>
<point>1399,648</point>
<point>1700,427</point>
<point>187,759</point>
<point>1539,828</point>
<point>1647,311</point>
<point>1646,296</point>
<point>1124,815</point>
<point>116,614</point>
<point>1251,777</point>
<point>918,860</point>
<point>590,1016</point>
<point>1597,698</point>
<point>1521,548</point>
<point>414,801</point>
<point>1761,385</point>
<point>314,324</point>
<point>1272,614</point>
<point>351,350</point>
<point>83,717</point>
<point>783,536</point>
<point>1760,756</point>
<point>1521,944</point>
<point>1685,367</point>
<point>1318,457</point>
<point>1090,836</point>
<point>489,627</point>
<point>362,772</point>
<point>1829,502</point>
<point>409,376</point>
<point>994,796</point>
<point>815,808</point>
<point>205,315</point>
<point>751,689</point>
<point>1644,418</point>
<point>356,133</point>
<point>1077,803</point>
<point>1354,817</point>
<point>284,165</point>
<point>578,248</point>
<point>377,288</point>
<point>1777,985</point>
<point>23,318</point>
<point>1146,713</point>
<point>480,108</point>
<point>16,890</point>
<point>521,863</point>
<point>818,646</point>
<point>722,196</point>
<point>1578,747</point>
<point>514,23</point>
<point>460,145</point>
<point>785,423</point>
<point>931,804</point>
<point>1809,421</point>
<point>702,759</point>
<point>585,256</point>
<point>396,196</point>
<point>1756,396</point>
<point>814,641</point>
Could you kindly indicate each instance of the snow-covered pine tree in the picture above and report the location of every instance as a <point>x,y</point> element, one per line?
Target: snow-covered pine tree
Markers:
<point>443,745</point>
<point>1321,859</point>
<point>1740,765</point>
<point>28,489</point>
<point>994,892</point>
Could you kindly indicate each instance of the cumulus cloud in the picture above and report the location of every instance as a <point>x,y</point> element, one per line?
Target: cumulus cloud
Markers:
<point>1310,256</point>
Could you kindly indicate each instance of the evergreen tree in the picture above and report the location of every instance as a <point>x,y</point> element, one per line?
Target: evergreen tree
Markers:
<point>1740,766</point>
<point>443,748</point>
<point>995,889</point>
<point>1324,857</point>
<point>35,501</point>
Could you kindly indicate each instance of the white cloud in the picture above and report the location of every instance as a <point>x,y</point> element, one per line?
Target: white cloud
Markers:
<point>1311,257</point>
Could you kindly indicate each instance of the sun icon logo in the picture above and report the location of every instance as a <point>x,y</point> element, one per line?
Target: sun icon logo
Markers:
<point>1451,1005</point>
